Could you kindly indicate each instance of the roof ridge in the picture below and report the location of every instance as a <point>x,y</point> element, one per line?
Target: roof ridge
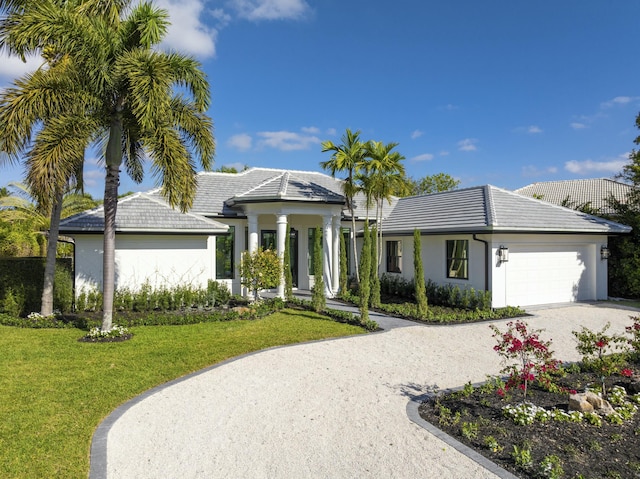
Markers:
<point>490,210</point>
<point>261,184</point>
<point>284,183</point>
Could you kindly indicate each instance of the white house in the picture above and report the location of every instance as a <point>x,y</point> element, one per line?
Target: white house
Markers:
<point>523,250</point>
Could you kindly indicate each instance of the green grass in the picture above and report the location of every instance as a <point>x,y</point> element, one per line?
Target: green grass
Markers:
<point>54,390</point>
<point>627,302</point>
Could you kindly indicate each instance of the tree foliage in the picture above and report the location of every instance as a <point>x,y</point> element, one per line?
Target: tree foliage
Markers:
<point>374,279</point>
<point>421,293</point>
<point>365,272</point>
<point>286,265</point>
<point>260,270</point>
<point>343,266</point>
<point>318,298</point>
<point>429,184</point>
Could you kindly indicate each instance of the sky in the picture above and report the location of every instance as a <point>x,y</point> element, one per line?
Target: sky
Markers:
<point>496,92</point>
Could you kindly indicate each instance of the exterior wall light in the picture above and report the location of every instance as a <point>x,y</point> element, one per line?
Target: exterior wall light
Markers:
<point>605,252</point>
<point>503,254</point>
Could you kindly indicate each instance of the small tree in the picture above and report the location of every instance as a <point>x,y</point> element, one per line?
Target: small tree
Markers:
<point>260,270</point>
<point>318,299</point>
<point>365,271</point>
<point>374,280</point>
<point>343,265</point>
<point>421,292</point>
<point>286,264</point>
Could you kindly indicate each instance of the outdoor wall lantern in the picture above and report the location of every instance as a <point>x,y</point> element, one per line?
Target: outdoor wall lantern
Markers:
<point>503,254</point>
<point>605,252</point>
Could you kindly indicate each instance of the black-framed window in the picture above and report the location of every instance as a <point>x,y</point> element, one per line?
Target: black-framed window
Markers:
<point>394,256</point>
<point>458,259</point>
<point>269,239</point>
<point>225,267</point>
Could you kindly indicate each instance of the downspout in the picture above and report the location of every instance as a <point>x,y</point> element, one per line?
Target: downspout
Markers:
<point>486,260</point>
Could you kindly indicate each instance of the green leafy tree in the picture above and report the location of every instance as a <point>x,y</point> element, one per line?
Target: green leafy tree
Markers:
<point>365,272</point>
<point>260,270</point>
<point>318,298</point>
<point>429,184</point>
<point>347,157</point>
<point>343,266</point>
<point>135,100</point>
<point>421,293</point>
<point>374,279</point>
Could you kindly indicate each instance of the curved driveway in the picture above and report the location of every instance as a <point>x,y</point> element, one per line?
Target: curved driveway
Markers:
<point>329,409</point>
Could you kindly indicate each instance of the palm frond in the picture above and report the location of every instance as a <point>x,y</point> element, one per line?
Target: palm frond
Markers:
<point>196,130</point>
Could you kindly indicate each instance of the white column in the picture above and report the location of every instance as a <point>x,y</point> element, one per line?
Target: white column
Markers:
<point>335,267</point>
<point>281,221</point>
<point>253,233</point>
<point>327,249</point>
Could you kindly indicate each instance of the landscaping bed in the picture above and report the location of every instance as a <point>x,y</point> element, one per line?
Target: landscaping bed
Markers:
<point>475,417</point>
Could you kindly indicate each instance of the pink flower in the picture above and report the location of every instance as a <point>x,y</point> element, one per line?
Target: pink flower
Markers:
<point>601,343</point>
<point>500,392</point>
<point>626,372</point>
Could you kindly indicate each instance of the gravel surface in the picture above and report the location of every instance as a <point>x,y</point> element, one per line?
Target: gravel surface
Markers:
<point>333,408</point>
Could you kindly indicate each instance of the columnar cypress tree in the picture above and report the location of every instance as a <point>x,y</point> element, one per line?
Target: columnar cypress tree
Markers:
<point>374,280</point>
<point>286,264</point>
<point>365,272</point>
<point>421,294</point>
<point>343,265</point>
<point>318,299</point>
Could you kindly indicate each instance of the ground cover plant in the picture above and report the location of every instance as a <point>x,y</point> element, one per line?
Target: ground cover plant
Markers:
<point>522,422</point>
<point>55,390</point>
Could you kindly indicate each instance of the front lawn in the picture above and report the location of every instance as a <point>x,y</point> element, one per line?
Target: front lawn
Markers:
<point>55,390</point>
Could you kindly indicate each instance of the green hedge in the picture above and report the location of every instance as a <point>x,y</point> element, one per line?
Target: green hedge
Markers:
<point>21,281</point>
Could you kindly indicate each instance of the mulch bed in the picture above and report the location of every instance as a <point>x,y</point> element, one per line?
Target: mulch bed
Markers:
<point>585,451</point>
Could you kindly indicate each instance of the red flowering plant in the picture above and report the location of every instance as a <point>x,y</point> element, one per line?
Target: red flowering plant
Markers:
<point>634,332</point>
<point>531,358</point>
<point>601,352</point>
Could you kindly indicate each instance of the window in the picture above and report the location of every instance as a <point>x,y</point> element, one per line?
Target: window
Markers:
<point>224,255</point>
<point>394,256</point>
<point>268,239</point>
<point>458,259</point>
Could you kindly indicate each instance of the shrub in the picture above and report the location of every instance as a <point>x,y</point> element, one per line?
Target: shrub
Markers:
<point>420,288</point>
<point>318,297</point>
<point>260,270</point>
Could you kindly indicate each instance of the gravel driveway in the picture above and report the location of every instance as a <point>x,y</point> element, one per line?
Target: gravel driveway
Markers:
<point>329,409</point>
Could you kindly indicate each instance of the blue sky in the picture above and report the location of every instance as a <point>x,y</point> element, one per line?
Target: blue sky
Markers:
<point>499,92</point>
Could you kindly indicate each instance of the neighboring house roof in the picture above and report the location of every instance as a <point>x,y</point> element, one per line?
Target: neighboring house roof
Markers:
<point>141,213</point>
<point>594,191</point>
<point>219,194</point>
<point>486,209</point>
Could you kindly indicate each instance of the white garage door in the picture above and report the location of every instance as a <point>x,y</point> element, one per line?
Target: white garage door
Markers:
<point>549,274</point>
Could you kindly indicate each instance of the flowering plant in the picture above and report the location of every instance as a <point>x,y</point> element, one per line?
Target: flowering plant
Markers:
<point>96,334</point>
<point>533,358</point>
<point>634,332</point>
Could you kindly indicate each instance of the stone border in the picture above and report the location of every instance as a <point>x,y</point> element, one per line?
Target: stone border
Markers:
<point>414,415</point>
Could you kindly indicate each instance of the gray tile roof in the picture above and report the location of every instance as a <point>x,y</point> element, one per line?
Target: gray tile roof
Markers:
<point>596,191</point>
<point>142,213</point>
<point>268,184</point>
<point>490,209</point>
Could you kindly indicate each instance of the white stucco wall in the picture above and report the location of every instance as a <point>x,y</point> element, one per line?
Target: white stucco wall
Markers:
<point>162,260</point>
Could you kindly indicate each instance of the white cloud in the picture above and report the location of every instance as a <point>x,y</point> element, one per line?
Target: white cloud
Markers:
<point>444,153</point>
<point>416,134</point>
<point>12,67</point>
<point>534,129</point>
<point>619,100</point>
<point>312,130</point>
<point>241,142</point>
<point>589,166</point>
<point>533,171</point>
<point>287,140</point>
<point>188,32</point>
<point>468,144</point>
<point>423,157</point>
<point>270,9</point>
<point>332,131</point>
<point>576,125</point>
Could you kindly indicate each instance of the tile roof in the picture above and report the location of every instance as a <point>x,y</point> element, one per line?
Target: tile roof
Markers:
<point>485,209</point>
<point>142,213</point>
<point>268,184</point>
<point>595,191</point>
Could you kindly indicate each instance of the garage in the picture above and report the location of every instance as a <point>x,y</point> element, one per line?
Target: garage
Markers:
<point>546,274</point>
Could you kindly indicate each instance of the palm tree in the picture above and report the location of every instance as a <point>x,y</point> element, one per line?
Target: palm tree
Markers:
<point>125,100</point>
<point>348,158</point>
<point>385,175</point>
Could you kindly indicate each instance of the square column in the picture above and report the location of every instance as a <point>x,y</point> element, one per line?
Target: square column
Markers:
<point>281,222</point>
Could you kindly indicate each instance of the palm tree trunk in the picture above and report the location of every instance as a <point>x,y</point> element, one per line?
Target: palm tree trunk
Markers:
<point>109,246</point>
<point>46,308</point>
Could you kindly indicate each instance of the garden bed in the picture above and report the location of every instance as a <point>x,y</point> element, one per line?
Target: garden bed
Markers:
<point>475,417</point>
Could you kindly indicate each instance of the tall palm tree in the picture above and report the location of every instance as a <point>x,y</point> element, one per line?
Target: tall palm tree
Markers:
<point>126,100</point>
<point>386,175</point>
<point>348,157</point>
